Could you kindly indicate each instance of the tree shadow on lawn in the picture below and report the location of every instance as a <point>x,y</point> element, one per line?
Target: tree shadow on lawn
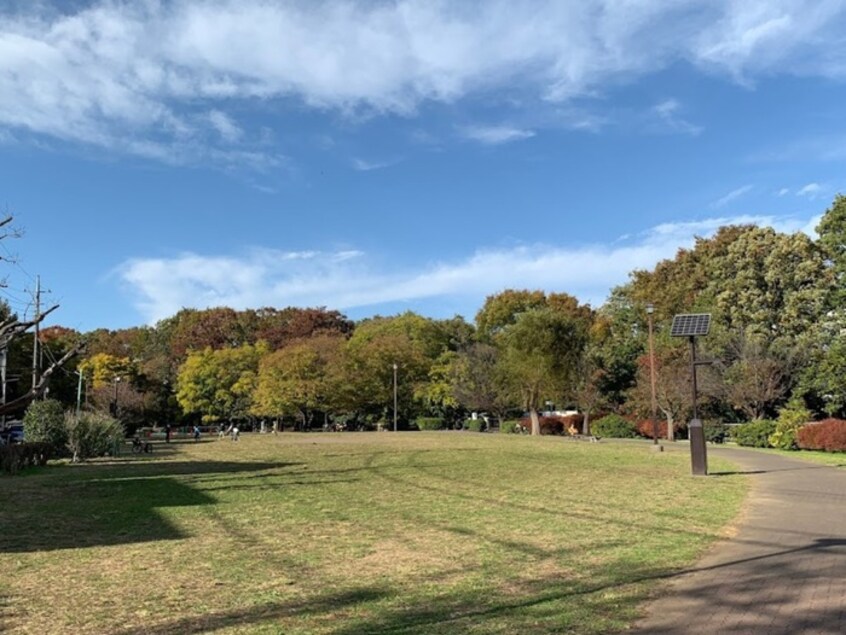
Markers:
<point>548,603</point>
<point>111,504</point>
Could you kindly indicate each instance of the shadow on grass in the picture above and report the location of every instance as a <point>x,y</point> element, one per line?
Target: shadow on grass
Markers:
<point>110,504</point>
<point>259,614</point>
<point>544,605</point>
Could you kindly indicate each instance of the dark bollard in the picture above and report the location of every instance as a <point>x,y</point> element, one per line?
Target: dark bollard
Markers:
<point>698,451</point>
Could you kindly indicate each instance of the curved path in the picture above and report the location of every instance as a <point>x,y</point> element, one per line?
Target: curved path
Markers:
<point>785,569</point>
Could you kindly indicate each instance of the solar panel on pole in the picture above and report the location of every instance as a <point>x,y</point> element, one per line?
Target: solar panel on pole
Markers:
<point>691,325</point>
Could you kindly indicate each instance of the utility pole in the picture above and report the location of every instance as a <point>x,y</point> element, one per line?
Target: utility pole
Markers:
<point>3,347</point>
<point>395,397</point>
<point>35,333</point>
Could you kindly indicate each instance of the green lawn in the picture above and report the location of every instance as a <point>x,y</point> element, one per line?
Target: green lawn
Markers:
<point>353,533</point>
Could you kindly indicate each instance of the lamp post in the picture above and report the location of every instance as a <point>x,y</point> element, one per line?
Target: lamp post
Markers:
<point>395,397</point>
<point>650,309</point>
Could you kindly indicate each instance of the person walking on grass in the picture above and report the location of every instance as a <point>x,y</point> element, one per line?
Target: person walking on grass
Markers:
<point>196,433</point>
<point>235,433</point>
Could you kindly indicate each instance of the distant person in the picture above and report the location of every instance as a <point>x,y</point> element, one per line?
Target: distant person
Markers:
<point>196,433</point>
<point>235,433</point>
<point>167,433</point>
<point>275,427</point>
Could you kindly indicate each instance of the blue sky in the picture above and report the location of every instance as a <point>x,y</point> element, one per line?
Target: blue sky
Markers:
<point>381,156</point>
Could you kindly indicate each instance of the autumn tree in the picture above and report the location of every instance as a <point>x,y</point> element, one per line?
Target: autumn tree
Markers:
<point>219,384</point>
<point>298,379</point>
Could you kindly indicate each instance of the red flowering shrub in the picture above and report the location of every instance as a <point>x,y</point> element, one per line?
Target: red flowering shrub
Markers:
<point>828,435</point>
<point>645,428</point>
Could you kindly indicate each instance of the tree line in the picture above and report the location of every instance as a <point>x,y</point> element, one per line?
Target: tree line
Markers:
<point>777,341</point>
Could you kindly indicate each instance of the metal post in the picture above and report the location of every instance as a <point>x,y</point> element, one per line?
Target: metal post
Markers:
<point>395,397</point>
<point>78,393</point>
<point>698,451</point>
<point>115,402</point>
<point>649,310</point>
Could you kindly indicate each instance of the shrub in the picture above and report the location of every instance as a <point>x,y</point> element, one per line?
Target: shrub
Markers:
<point>715,431</point>
<point>430,423</point>
<point>20,455</point>
<point>615,427</point>
<point>790,418</point>
<point>510,426</point>
<point>644,428</point>
<point>755,434</point>
<point>92,434</point>
<point>828,435</point>
<point>475,425</point>
<point>44,422</point>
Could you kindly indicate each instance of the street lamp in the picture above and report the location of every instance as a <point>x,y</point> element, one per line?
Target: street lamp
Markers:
<point>650,309</point>
<point>395,397</point>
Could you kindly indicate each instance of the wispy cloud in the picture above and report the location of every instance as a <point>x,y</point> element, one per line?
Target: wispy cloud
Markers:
<point>350,279</point>
<point>496,135</point>
<point>783,191</point>
<point>731,196</point>
<point>136,77</point>
<point>811,190</point>
<point>363,165</point>
<point>225,126</point>
<point>669,113</point>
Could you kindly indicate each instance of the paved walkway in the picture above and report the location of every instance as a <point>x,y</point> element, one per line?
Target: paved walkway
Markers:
<point>785,569</point>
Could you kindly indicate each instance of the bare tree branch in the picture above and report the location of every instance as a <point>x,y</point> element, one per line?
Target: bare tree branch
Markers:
<point>38,389</point>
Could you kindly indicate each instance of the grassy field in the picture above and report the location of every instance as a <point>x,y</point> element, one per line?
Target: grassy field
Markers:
<point>354,533</point>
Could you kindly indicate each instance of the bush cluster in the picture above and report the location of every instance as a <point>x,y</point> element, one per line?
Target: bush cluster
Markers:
<point>92,434</point>
<point>790,419</point>
<point>828,435</point>
<point>615,427</point>
<point>715,431</point>
<point>755,434</point>
<point>44,422</point>
<point>475,425</point>
<point>644,428</point>
<point>430,423</point>
<point>510,426</point>
<point>17,456</point>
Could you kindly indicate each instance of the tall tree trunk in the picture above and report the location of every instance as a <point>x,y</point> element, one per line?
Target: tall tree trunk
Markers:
<point>586,423</point>
<point>671,433</point>
<point>533,414</point>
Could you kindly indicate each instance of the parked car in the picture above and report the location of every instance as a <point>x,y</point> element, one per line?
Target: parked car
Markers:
<point>13,432</point>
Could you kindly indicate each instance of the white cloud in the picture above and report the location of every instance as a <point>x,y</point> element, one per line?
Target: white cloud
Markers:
<point>225,126</point>
<point>731,196</point>
<point>811,190</point>
<point>348,279</point>
<point>783,192</point>
<point>106,72</point>
<point>495,135</point>
<point>363,165</point>
<point>668,112</point>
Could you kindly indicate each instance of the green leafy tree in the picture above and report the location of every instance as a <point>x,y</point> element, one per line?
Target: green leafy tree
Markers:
<point>218,384</point>
<point>540,355</point>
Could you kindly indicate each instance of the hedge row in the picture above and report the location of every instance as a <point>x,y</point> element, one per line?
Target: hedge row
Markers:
<point>828,435</point>
<point>17,456</point>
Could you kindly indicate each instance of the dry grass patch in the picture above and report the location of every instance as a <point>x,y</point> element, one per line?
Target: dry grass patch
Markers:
<point>354,532</point>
